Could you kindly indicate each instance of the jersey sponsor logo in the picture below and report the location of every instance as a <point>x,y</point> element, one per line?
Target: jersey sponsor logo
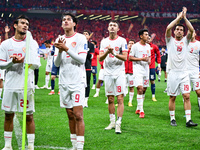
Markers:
<point>24,49</point>
<point>85,47</point>
<point>73,44</point>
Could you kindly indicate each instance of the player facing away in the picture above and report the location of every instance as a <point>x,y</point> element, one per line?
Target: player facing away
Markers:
<point>140,55</point>
<point>113,51</point>
<point>12,59</point>
<point>178,78</point>
<point>49,58</point>
<point>155,53</point>
<point>70,55</point>
<point>129,74</point>
<point>193,65</point>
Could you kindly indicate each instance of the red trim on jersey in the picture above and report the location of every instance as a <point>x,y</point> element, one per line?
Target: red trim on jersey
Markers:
<point>88,69</point>
<point>55,55</point>
<point>194,41</point>
<point>68,56</point>
<point>83,52</point>
<point>6,106</point>
<point>2,60</point>
<point>18,40</point>
<point>125,51</point>
<point>7,137</point>
<point>142,44</point>
<point>70,36</point>
<point>113,39</point>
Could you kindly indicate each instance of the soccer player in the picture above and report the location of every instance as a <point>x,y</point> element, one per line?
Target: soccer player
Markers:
<point>12,59</point>
<point>193,65</point>
<point>70,55</point>
<point>152,76</point>
<point>49,58</point>
<point>164,57</point>
<point>88,66</point>
<point>140,55</point>
<point>94,63</point>
<point>113,51</point>
<point>129,74</point>
<point>178,78</point>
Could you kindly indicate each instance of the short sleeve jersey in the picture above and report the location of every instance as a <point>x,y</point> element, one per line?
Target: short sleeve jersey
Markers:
<point>112,65</point>
<point>177,53</point>
<point>140,51</point>
<point>193,55</point>
<point>71,72</point>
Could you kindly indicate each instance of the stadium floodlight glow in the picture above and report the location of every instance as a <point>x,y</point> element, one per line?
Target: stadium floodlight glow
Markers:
<point>2,15</point>
<point>91,15</point>
<point>79,15</point>
<point>104,17</point>
<point>10,15</point>
<point>95,17</point>
<point>129,18</point>
<point>116,16</point>
<point>193,20</point>
<point>123,17</point>
<point>85,18</point>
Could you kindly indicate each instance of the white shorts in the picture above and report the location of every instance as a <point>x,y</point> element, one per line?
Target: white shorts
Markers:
<point>178,82</point>
<point>101,74</point>
<point>129,80</point>
<point>141,81</point>
<point>13,101</point>
<point>49,66</point>
<point>194,78</point>
<point>115,85</point>
<point>2,74</point>
<point>71,97</point>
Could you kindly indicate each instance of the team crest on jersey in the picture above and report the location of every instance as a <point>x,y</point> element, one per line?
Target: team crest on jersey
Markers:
<point>147,51</point>
<point>116,48</point>
<point>73,44</point>
<point>195,48</point>
<point>24,49</point>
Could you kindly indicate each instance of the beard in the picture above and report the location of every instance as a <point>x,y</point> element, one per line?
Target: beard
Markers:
<point>22,33</point>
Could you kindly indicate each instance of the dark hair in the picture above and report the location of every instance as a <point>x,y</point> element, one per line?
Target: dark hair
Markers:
<point>180,25</point>
<point>87,31</point>
<point>47,42</point>
<point>72,16</point>
<point>132,40</point>
<point>20,17</point>
<point>141,32</point>
<point>114,21</point>
<point>95,42</point>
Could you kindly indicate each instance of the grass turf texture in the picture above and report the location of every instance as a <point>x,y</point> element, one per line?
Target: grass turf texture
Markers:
<point>152,132</point>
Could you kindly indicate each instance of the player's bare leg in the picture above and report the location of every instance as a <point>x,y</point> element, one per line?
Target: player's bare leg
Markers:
<point>80,126</point>
<point>111,109</point>
<point>98,88</point>
<point>198,96</point>
<point>1,87</point>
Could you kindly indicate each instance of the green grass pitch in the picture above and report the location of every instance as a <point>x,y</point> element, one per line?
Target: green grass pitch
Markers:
<point>150,133</point>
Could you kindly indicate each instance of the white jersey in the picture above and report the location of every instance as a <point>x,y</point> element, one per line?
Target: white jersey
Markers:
<point>112,65</point>
<point>140,51</point>
<point>177,53</point>
<point>193,55</point>
<point>49,56</point>
<point>16,73</point>
<point>71,72</point>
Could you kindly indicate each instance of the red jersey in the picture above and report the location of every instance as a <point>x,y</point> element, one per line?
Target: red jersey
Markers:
<point>128,65</point>
<point>94,59</point>
<point>154,50</point>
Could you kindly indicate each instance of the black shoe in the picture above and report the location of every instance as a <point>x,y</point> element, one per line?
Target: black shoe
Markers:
<point>165,80</point>
<point>198,104</point>
<point>173,123</point>
<point>158,80</point>
<point>191,124</point>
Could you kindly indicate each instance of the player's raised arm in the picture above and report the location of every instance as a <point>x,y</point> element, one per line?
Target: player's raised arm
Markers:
<point>168,32</point>
<point>188,24</point>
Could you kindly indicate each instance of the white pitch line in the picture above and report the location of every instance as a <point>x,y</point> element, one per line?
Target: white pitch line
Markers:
<point>51,147</point>
<point>18,131</point>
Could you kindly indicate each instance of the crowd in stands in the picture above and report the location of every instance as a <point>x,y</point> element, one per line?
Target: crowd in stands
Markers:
<point>48,29</point>
<point>120,5</point>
